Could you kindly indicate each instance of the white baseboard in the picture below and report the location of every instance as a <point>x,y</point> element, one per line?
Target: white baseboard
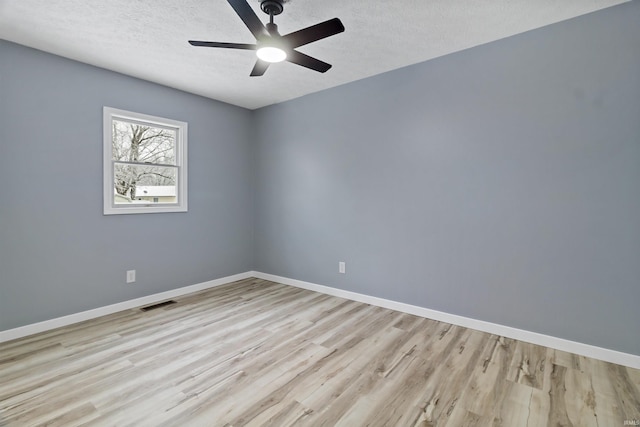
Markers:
<point>58,322</point>
<point>613,356</point>
<point>587,350</point>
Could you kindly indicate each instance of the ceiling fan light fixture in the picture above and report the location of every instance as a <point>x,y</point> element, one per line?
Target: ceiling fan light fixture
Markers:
<point>271,54</point>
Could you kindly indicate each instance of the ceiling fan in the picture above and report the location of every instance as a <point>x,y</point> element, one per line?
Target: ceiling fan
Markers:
<point>272,47</point>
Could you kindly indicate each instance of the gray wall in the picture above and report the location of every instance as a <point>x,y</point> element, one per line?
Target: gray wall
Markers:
<point>58,253</point>
<point>498,183</point>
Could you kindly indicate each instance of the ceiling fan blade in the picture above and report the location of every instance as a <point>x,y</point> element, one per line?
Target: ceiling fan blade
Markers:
<point>307,61</point>
<point>259,69</point>
<point>250,19</point>
<point>314,32</point>
<point>224,45</point>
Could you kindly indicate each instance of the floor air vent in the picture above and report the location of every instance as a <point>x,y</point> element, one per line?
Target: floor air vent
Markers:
<point>158,305</point>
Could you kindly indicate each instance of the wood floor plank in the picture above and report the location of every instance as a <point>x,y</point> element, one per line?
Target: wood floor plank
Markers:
<point>259,353</point>
<point>581,398</point>
<point>558,405</point>
<point>513,405</point>
<point>528,364</point>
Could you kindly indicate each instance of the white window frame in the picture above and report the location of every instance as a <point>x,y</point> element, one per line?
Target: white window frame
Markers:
<point>110,208</point>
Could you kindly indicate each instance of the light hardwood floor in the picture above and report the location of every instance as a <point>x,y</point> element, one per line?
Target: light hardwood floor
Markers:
<point>256,353</point>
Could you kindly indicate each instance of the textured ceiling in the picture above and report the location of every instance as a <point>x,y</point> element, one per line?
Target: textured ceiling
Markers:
<point>148,38</point>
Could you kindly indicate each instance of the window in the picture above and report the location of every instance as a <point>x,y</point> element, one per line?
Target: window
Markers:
<point>145,163</point>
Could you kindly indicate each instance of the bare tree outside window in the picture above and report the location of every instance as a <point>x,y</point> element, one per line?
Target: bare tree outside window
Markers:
<point>138,153</point>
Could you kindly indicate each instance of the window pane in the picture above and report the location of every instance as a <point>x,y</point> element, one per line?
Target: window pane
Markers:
<point>133,142</point>
<point>138,184</point>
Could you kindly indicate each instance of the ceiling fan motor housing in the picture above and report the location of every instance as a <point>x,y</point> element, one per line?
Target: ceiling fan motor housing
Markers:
<point>272,7</point>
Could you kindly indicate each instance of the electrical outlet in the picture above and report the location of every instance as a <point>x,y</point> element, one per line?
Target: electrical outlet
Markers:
<point>342,267</point>
<point>131,276</point>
